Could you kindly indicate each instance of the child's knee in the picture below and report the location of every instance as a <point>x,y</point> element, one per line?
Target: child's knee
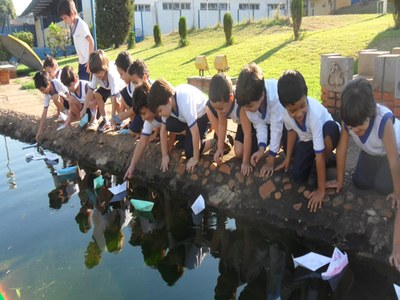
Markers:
<point>238,149</point>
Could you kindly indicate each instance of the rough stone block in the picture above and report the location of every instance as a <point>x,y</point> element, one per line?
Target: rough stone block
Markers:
<point>266,189</point>
<point>225,168</point>
<point>387,73</point>
<point>366,62</point>
<point>396,50</point>
<point>336,71</point>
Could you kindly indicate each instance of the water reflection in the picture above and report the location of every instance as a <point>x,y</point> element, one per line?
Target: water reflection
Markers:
<point>10,174</point>
<point>109,241</point>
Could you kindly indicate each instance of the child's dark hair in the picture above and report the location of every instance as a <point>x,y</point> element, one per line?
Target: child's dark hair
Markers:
<point>291,87</point>
<point>49,62</point>
<point>358,102</point>
<point>159,94</point>
<point>41,79</point>
<point>139,97</point>
<point>66,8</point>
<point>139,68</point>
<point>98,61</point>
<point>68,75</point>
<point>124,60</point>
<point>250,85</point>
<point>220,88</point>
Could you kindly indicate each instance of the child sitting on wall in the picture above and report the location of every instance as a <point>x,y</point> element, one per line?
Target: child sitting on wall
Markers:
<point>54,90</point>
<point>377,132</point>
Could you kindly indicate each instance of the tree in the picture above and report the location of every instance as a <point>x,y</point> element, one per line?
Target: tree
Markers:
<point>131,40</point>
<point>157,35</point>
<point>114,21</point>
<point>296,6</point>
<point>396,14</point>
<point>25,36</point>
<point>6,10</point>
<point>58,38</point>
<point>228,25</point>
<point>183,32</point>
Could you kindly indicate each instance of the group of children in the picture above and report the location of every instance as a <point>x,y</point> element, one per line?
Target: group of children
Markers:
<point>269,113</point>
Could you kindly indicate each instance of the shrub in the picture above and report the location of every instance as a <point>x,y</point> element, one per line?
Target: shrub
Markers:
<point>25,36</point>
<point>396,14</point>
<point>183,41</point>
<point>58,38</point>
<point>120,14</point>
<point>131,40</point>
<point>296,6</point>
<point>228,25</point>
<point>157,35</point>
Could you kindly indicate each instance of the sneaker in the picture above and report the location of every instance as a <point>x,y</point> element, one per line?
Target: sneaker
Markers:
<point>92,126</point>
<point>106,126</point>
<point>62,117</point>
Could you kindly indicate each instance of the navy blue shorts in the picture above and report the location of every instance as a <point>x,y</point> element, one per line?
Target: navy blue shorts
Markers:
<point>373,172</point>
<point>136,124</point>
<point>104,93</point>
<point>126,97</point>
<point>82,74</point>
<point>240,137</point>
<point>304,155</point>
<point>176,126</point>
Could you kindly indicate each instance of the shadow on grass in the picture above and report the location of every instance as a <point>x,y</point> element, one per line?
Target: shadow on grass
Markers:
<point>160,53</point>
<point>385,40</point>
<point>269,53</point>
<point>209,52</point>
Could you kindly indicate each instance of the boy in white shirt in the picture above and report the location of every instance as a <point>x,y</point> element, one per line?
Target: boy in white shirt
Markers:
<point>83,40</point>
<point>182,109</point>
<point>151,125</point>
<point>52,90</point>
<point>312,134</point>
<point>259,98</point>
<point>105,83</point>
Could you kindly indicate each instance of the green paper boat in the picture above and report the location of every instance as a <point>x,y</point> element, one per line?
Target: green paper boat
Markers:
<point>142,205</point>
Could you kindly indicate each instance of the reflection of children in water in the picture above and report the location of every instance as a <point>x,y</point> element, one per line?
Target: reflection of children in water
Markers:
<point>108,222</point>
<point>187,247</point>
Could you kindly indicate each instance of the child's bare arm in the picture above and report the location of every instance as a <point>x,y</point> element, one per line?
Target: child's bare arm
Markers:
<point>41,124</point>
<point>164,148</point>
<point>139,149</point>
<point>246,168</point>
<point>222,127</point>
<point>316,197</point>
<point>90,40</point>
<point>341,153</point>
<point>389,140</point>
<point>194,130</point>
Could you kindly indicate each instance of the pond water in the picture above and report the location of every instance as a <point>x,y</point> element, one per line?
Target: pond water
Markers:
<point>67,243</point>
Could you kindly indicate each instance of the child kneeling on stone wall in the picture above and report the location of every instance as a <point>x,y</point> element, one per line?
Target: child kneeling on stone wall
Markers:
<point>312,134</point>
<point>54,90</point>
<point>377,132</point>
<point>183,109</point>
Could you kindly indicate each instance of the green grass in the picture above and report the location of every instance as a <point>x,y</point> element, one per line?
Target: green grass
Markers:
<point>269,44</point>
<point>28,85</point>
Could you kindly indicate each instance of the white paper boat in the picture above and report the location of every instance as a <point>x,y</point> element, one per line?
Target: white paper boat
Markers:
<point>312,261</point>
<point>199,205</point>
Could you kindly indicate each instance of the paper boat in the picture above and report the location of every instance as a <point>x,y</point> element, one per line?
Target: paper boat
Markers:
<point>142,205</point>
<point>98,182</point>
<point>119,197</point>
<point>66,171</point>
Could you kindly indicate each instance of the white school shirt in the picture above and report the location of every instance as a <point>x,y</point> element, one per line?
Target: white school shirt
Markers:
<point>234,112</point>
<point>130,88</point>
<point>272,116</point>
<point>371,142</point>
<point>190,104</point>
<point>148,126</point>
<point>59,89</point>
<point>311,129</point>
<point>114,82</point>
<point>79,34</point>
<point>83,89</point>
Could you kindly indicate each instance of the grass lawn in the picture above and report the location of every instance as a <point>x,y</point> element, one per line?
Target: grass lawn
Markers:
<point>271,46</point>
